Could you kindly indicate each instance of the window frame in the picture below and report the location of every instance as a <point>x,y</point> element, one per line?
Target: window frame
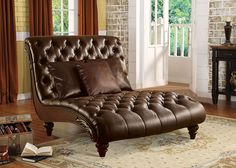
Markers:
<point>72,23</point>
<point>154,25</point>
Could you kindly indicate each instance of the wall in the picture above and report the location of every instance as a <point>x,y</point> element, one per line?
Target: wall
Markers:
<point>200,47</point>
<point>101,15</point>
<point>133,46</point>
<point>117,21</point>
<point>22,28</point>
<point>218,12</point>
<point>180,69</point>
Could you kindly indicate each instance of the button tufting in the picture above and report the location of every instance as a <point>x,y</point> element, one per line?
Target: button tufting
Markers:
<point>95,43</point>
<point>77,52</point>
<point>103,51</point>
<point>118,43</point>
<point>90,51</point>
<point>115,50</point>
<point>43,61</point>
<point>36,44</point>
<point>122,58</point>
<point>46,80</point>
<point>107,42</point>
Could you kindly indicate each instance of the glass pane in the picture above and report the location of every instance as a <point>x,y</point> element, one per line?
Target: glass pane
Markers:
<point>65,4</point>
<point>65,21</point>
<point>186,39</point>
<point>159,11</point>
<point>156,27</point>
<point>159,34</point>
<point>180,11</point>
<point>159,8</point>
<point>56,4</point>
<point>153,11</point>
<point>179,41</point>
<point>152,35</point>
<point>57,21</point>
<point>172,42</point>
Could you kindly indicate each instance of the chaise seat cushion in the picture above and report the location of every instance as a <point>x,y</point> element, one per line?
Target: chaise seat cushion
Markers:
<point>131,114</point>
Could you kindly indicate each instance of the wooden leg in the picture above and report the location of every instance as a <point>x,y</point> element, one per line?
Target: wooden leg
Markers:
<point>215,78</point>
<point>193,131</point>
<point>102,149</point>
<point>49,128</point>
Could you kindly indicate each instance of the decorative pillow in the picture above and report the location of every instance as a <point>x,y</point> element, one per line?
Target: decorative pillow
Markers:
<point>119,73</point>
<point>67,82</point>
<point>97,77</point>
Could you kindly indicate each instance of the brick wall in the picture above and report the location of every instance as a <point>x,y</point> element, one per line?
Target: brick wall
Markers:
<point>117,21</point>
<point>219,10</point>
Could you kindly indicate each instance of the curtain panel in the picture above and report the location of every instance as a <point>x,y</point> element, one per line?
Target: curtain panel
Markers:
<point>8,59</point>
<point>40,14</point>
<point>88,17</point>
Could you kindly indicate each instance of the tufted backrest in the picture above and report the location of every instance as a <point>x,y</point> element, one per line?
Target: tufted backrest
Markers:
<point>44,50</point>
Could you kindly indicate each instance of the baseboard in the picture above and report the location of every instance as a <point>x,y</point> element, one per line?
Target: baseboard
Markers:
<point>154,83</point>
<point>20,36</point>
<point>179,80</point>
<point>149,84</point>
<point>208,95</point>
<point>203,94</point>
<point>102,32</point>
<point>24,96</point>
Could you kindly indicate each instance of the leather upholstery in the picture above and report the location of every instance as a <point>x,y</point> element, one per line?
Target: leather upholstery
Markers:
<point>108,117</point>
<point>119,74</point>
<point>133,114</point>
<point>44,50</point>
<point>97,77</point>
<point>66,79</point>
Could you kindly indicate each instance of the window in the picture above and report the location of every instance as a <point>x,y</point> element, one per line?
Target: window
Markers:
<point>156,26</point>
<point>180,27</point>
<point>65,17</point>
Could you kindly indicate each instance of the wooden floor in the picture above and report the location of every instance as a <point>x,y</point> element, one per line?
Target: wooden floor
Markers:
<point>65,129</point>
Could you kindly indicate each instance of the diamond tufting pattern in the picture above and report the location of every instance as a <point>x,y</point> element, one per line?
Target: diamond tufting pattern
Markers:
<point>60,49</point>
<point>108,117</point>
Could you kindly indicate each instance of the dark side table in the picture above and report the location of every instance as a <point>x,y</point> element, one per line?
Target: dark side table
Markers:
<point>227,54</point>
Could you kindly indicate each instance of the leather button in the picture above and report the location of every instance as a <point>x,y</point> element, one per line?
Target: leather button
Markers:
<point>115,50</point>
<point>103,51</point>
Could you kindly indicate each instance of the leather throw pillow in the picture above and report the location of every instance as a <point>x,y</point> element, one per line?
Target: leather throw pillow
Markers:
<point>97,77</point>
<point>67,82</point>
<point>119,74</point>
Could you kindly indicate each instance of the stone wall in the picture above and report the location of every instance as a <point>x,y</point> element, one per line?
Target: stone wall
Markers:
<point>117,21</point>
<point>219,10</point>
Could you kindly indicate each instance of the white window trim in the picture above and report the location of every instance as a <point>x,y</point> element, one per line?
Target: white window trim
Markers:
<point>155,24</point>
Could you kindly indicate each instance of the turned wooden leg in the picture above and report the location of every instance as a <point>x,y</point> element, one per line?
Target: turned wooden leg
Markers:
<point>102,149</point>
<point>193,131</point>
<point>49,128</point>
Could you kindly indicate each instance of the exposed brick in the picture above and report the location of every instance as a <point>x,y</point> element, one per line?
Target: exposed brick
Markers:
<point>117,21</point>
<point>219,10</point>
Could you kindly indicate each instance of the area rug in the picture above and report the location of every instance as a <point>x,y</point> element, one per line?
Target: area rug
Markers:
<point>214,146</point>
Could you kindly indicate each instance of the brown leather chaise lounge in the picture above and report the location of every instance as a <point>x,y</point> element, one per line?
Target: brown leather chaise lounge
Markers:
<point>82,80</point>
